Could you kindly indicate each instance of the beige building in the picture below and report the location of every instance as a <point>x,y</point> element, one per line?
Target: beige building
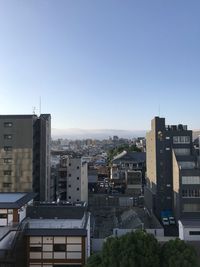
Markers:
<point>25,154</point>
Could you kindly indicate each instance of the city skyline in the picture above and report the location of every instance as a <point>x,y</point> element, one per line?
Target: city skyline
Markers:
<point>101,65</point>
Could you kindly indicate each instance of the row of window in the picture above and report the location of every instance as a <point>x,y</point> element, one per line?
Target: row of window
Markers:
<point>181,139</point>
<point>8,148</point>
<point>55,240</point>
<point>69,197</point>
<point>8,136</point>
<point>194,207</point>
<point>8,124</point>
<point>56,248</point>
<point>71,175</point>
<point>190,179</point>
<point>190,192</point>
<point>56,255</point>
<point>76,167</point>
<point>71,186</point>
<point>7,160</point>
<point>77,178</point>
<point>7,185</point>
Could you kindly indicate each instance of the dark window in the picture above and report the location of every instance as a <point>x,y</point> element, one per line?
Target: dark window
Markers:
<point>194,232</point>
<point>70,164</point>
<point>8,124</point>
<point>7,172</point>
<point>59,247</point>
<point>77,200</point>
<point>8,136</point>
<point>77,167</point>
<point>69,197</point>
<point>70,175</point>
<point>77,188</point>
<point>7,184</point>
<point>3,216</point>
<point>36,249</point>
<point>69,185</point>
<point>77,178</point>
<point>7,148</point>
<point>7,160</point>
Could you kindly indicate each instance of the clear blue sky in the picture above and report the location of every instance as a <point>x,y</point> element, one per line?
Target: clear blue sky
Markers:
<point>101,63</point>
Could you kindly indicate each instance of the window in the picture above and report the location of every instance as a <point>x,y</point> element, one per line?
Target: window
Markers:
<point>70,164</point>
<point>77,167</point>
<point>190,179</point>
<point>70,175</point>
<point>77,200</point>
<point>191,193</point>
<point>77,178</point>
<point>35,248</point>
<point>181,139</point>
<point>8,136</point>
<point>3,216</point>
<point>69,197</point>
<point>167,148</point>
<point>182,151</point>
<point>69,185</point>
<point>7,160</point>
<point>191,207</point>
<point>59,247</point>
<point>167,137</point>
<point>194,232</point>
<point>8,124</point>
<point>7,172</point>
<point>77,188</point>
<point>7,185</point>
<point>7,148</point>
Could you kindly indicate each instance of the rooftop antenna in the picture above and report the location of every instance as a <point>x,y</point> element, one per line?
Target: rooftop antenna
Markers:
<point>34,109</point>
<point>40,106</point>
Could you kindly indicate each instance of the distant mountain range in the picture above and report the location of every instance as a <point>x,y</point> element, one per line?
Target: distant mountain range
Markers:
<point>75,133</point>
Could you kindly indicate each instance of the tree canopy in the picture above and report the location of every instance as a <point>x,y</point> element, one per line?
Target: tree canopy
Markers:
<point>139,249</point>
<point>178,253</point>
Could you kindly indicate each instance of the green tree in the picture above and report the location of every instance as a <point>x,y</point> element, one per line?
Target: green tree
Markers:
<point>177,253</point>
<point>115,151</point>
<point>136,249</point>
<point>94,260</point>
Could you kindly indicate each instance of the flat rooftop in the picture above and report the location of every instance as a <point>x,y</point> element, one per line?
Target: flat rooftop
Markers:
<point>10,197</point>
<point>15,200</point>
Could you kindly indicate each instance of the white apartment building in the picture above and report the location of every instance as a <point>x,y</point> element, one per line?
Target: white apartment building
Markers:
<point>73,180</point>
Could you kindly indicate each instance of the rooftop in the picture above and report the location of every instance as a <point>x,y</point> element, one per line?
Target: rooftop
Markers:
<point>15,200</point>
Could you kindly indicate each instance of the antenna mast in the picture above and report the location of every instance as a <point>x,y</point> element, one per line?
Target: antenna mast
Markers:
<point>40,106</point>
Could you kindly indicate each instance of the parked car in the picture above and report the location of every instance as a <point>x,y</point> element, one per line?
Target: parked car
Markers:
<point>171,220</point>
<point>165,221</point>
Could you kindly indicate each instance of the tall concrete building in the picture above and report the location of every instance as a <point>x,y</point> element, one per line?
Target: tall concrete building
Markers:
<point>72,179</point>
<point>173,173</point>
<point>25,154</point>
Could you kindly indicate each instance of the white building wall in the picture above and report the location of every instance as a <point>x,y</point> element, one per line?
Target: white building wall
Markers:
<point>185,232</point>
<point>77,180</point>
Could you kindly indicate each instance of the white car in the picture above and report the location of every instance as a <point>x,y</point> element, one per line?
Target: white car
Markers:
<point>165,221</point>
<point>171,220</point>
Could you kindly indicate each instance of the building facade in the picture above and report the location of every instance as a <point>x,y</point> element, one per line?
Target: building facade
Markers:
<point>73,179</point>
<point>25,154</point>
<point>173,174</point>
<point>57,235</point>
